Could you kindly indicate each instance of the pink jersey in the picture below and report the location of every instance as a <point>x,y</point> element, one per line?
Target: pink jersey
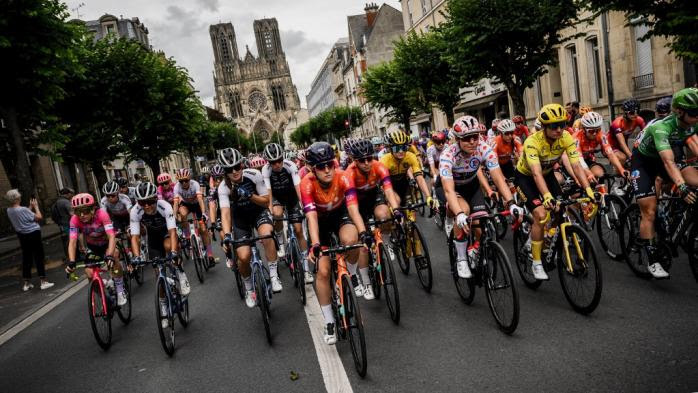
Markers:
<point>303,171</point>
<point>95,232</point>
<point>166,194</point>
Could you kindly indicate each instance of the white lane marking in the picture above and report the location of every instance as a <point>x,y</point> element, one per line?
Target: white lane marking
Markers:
<point>26,322</point>
<point>331,366</point>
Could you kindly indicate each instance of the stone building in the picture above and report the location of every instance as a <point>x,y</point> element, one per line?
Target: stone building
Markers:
<point>324,90</point>
<point>110,24</point>
<point>257,93</point>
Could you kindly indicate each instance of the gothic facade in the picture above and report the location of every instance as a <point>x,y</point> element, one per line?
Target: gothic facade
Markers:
<point>257,93</point>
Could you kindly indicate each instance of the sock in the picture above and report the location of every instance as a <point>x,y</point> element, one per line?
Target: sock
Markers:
<point>119,283</point>
<point>351,267</point>
<point>364,275</point>
<point>248,283</point>
<point>272,269</point>
<point>327,313</point>
<point>305,261</point>
<point>461,250</point>
<point>536,249</point>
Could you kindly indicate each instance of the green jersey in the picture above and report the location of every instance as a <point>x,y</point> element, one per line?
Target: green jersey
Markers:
<point>663,135</point>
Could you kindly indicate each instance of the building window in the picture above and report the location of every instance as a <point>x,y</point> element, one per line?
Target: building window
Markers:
<point>573,75</point>
<point>131,32</point>
<point>409,13</point>
<point>268,42</point>
<point>594,57</point>
<point>110,28</point>
<point>644,74</point>
<point>426,6</point>
<point>225,53</point>
<point>277,93</point>
<point>235,104</point>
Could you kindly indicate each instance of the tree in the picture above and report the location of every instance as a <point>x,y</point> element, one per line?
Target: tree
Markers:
<point>384,88</point>
<point>673,19</point>
<point>420,62</point>
<point>337,122</point>
<point>514,51</point>
<point>36,47</point>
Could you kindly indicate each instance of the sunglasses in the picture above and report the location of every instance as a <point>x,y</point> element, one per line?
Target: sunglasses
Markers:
<point>559,124</point>
<point>365,160</point>
<point>592,130</point>
<point>83,211</point>
<point>148,202</point>
<point>184,181</point>
<point>165,183</point>
<point>469,138</point>
<point>113,196</point>
<point>630,112</point>
<point>692,112</point>
<point>398,148</point>
<point>235,168</point>
<point>508,133</point>
<point>276,161</point>
<point>324,166</point>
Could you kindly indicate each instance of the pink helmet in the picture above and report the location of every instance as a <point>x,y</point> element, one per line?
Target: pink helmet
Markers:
<point>82,200</point>
<point>183,173</point>
<point>257,162</point>
<point>164,177</point>
<point>301,155</point>
<point>465,125</point>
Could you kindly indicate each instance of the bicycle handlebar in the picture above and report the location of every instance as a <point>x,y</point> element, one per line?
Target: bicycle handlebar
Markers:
<point>341,249</point>
<point>413,206</point>
<point>251,240</point>
<point>568,202</point>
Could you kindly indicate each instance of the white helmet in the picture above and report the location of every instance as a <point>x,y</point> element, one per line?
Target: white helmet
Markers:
<point>506,125</point>
<point>273,152</point>
<point>111,187</point>
<point>146,190</point>
<point>592,120</point>
<point>229,157</point>
<point>465,125</point>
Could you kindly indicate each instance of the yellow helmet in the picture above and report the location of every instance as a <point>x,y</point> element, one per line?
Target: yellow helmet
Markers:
<point>397,137</point>
<point>552,113</point>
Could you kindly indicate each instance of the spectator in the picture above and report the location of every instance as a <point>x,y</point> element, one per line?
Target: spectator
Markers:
<point>572,109</point>
<point>60,213</point>
<point>26,223</point>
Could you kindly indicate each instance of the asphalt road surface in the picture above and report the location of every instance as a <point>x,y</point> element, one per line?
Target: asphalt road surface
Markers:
<point>642,337</point>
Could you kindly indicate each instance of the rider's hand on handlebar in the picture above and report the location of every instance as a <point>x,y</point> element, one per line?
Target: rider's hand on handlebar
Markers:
<point>462,220</point>
<point>314,252</point>
<point>173,256</point>
<point>548,201</point>
<point>398,215</point>
<point>516,212</point>
<point>71,267</point>
<point>433,203</point>
<point>366,238</point>
<point>109,260</point>
<point>688,195</point>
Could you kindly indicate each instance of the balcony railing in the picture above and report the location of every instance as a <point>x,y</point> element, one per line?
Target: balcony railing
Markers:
<point>643,81</point>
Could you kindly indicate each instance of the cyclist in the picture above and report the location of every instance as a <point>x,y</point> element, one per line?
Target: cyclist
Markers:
<point>165,188</point>
<point>623,127</point>
<point>493,132</point>
<point>662,110</point>
<point>256,162</point>
<point>438,140</point>
<point>117,205</point>
<point>590,139</point>
<point>125,189</point>
<point>283,183</point>
<point>507,147</point>
<point>660,153</point>
<point>217,174</point>
<point>521,131</point>
<point>577,124</point>
<point>534,177</point>
<point>374,191</point>
<point>189,198</point>
<point>377,143</point>
<point>330,206</point>
<point>462,175</point>
<point>303,167</point>
<point>98,236</point>
<point>402,163</point>
<point>244,203</point>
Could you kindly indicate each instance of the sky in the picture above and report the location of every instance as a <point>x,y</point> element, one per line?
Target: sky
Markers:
<point>308,30</point>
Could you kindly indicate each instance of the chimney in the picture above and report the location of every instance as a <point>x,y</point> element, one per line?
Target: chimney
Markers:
<point>371,12</point>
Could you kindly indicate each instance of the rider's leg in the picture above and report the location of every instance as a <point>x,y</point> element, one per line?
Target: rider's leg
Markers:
<point>278,212</point>
<point>183,213</point>
<point>460,238</point>
<point>648,212</point>
<point>597,170</point>
<point>381,212</point>
<point>690,174</point>
<point>243,254</point>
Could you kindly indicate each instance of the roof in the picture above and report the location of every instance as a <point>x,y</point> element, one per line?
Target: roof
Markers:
<point>358,26</point>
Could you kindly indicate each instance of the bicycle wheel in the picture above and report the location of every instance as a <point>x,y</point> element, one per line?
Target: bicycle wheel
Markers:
<point>522,253</point>
<point>608,222</point>
<point>464,286</point>
<point>196,258</point>
<point>167,334</point>
<point>374,274</point>
<point>183,310</point>
<point>692,251</point>
<point>298,271</point>
<point>124,312</point>
<point>354,326</point>
<point>399,247</point>
<point>582,284</point>
<point>417,198</point>
<point>137,274</point>
<point>422,260</point>
<point>99,316</point>
<point>501,225</point>
<point>439,219</point>
<point>392,295</point>
<point>502,296</point>
<point>634,254</point>
<point>238,281</point>
<point>262,301</point>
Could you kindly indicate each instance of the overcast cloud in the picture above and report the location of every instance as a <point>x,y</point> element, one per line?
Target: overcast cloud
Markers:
<point>308,28</point>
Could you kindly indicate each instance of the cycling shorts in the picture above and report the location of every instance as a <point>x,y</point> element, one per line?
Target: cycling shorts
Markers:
<point>293,209</point>
<point>331,222</point>
<point>369,200</point>
<point>528,191</point>
<point>193,208</point>
<point>472,193</point>
<point>400,186</point>
<point>507,170</point>
<point>245,224</point>
<point>121,223</point>
<point>98,249</point>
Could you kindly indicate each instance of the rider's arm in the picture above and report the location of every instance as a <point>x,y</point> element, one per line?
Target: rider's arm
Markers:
<point>667,157</point>
<point>266,175</point>
<point>621,142</point>
<point>484,183</point>
<point>170,223</point>
<point>352,202</point>
<point>446,173</point>
<point>73,238</point>
<point>109,229</point>
<point>135,230</point>
<point>501,184</point>
<point>692,144</point>
<point>313,228</point>
<point>608,152</point>
<point>224,205</point>
<point>538,177</point>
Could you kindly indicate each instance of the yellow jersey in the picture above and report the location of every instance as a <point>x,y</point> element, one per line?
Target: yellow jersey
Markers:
<point>398,169</point>
<point>537,150</point>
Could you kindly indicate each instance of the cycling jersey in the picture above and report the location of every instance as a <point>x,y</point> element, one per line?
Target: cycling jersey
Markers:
<point>188,196</point>
<point>377,175</point>
<point>212,191</point>
<point>537,150</point>
<point>521,131</point>
<point>664,135</point>
<point>324,200</point>
<point>282,183</point>
<point>161,221</point>
<point>589,147</point>
<point>95,232</point>
<point>625,127</point>
<point>398,169</point>
<point>303,171</point>
<point>166,194</point>
<point>506,151</point>
<point>462,168</point>
<point>252,181</point>
<point>433,154</point>
<point>120,208</point>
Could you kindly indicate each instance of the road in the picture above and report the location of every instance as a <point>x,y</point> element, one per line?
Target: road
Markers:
<point>642,337</point>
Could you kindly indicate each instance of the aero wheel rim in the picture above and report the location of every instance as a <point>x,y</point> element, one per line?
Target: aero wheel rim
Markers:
<point>392,297</point>
<point>352,316</point>
<point>100,317</point>
<point>582,284</point>
<point>500,289</point>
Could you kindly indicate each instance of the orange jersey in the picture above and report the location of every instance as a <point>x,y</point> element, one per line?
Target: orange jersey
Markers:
<point>625,127</point>
<point>505,151</point>
<point>324,200</point>
<point>377,175</point>
<point>588,147</point>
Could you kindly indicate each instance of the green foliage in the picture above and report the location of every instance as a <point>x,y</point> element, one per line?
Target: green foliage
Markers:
<point>330,122</point>
<point>385,88</point>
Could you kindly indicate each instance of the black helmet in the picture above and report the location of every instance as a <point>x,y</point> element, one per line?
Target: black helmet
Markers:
<point>631,105</point>
<point>146,190</point>
<point>318,153</point>
<point>361,148</point>
<point>122,182</point>
<point>664,105</point>
<point>229,157</point>
<point>273,152</point>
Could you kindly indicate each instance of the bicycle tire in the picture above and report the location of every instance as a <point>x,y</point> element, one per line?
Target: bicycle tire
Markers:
<point>99,318</point>
<point>398,238</point>
<point>183,310</point>
<point>522,253</point>
<point>355,327</point>
<point>374,275</point>
<point>633,252</point>
<point>167,335</point>
<point>464,286</point>
<point>497,275</point>
<point>423,265</point>
<point>138,274</point>
<point>124,312</point>
<point>239,282</point>
<point>262,302</point>
<point>586,270</point>
<point>392,294</point>
<point>196,258</point>
<point>608,227</point>
<point>298,271</point>
<point>417,198</point>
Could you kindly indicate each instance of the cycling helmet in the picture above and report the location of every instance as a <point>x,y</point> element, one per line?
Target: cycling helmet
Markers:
<point>146,190</point>
<point>592,120</point>
<point>584,110</point>
<point>110,187</point>
<point>183,174</point>
<point>439,136</point>
<point>273,152</point>
<point>164,177</point>
<point>290,155</point>
<point>346,146</point>
<point>552,113</point>
<point>495,123</point>
<point>361,148</point>
<point>256,162</point>
<point>482,128</point>
<point>663,105</point>
<point>506,125</point>
<point>397,137</point>
<point>319,153</point>
<point>229,157</point>
<point>518,119</point>
<point>376,140</point>
<point>122,181</point>
<point>465,125</point>
<point>686,99</point>
<point>631,105</point>
<point>301,155</point>
<point>82,200</point>
<point>217,171</point>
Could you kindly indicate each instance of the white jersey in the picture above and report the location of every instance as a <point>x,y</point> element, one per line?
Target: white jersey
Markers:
<point>189,195</point>
<point>162,219</point>
<point>252,180</point>
<point>433,155</point>
<point>118,209</point>
<point>455,164</point>
<point>283,181</point>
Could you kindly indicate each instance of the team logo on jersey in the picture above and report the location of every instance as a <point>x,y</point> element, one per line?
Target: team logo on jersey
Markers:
<point>474,162</point>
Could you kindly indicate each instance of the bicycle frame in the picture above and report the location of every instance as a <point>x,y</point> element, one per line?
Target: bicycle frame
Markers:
<point>563,230</point>
<point>162,265</point>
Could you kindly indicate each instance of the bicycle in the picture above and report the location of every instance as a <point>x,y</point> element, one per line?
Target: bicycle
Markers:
<point>166,284</point>
<point>576,266</point>
<point>417,197</point>
<point>294,258</point>
<point>198,253</point>
<point>123,246</point>
<point>345,307</point>
<point>261,281</point>
<point>408,243</point>
<point>608,219</point>
<point>101,301</point>
<point>382,272</point>
<point>491,269</point>
<point>232,262</point>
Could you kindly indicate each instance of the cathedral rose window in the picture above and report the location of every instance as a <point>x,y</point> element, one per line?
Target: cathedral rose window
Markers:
<point>257,101</point>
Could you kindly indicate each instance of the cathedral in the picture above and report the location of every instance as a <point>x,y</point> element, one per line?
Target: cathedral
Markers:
<point>257,93</point>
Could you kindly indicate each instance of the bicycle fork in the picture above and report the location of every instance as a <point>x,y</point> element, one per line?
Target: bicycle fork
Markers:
<point>565,244</point>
